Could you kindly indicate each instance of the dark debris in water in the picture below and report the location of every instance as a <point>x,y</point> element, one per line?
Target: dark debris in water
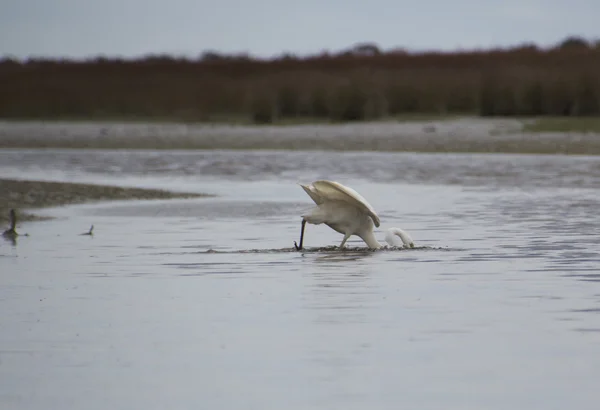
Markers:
<point>327,249</point>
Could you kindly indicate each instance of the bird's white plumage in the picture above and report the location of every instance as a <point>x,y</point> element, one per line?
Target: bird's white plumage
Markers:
<point>324,190</point>
<point>347,212</point>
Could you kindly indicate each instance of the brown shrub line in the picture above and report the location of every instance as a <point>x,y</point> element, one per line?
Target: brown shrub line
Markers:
<point>524,81</point>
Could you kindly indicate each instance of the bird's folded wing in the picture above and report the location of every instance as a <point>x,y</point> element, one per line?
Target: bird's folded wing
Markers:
<point>310,190</point>
<point>336,191</point>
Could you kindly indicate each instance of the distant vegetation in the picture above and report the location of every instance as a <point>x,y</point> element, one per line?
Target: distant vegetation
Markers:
<point>358,84</point>
<point>564,124</point>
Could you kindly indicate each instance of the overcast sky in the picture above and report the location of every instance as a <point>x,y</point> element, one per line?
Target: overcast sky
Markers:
<point>82,28</point>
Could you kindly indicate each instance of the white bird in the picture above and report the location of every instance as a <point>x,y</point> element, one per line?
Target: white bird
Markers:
<point>344,210</point>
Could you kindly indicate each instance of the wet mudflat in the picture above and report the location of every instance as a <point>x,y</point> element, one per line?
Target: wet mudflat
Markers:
<point>483,135</point>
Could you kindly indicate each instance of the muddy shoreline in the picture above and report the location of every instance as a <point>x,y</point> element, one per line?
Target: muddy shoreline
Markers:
<point>26,195</point>
<point>463,135</point>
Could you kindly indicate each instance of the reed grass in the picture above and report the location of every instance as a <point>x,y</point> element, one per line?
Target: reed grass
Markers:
<point>521,81</point>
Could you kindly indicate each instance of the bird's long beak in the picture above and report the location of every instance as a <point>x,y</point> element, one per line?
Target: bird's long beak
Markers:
<point>299,248</point>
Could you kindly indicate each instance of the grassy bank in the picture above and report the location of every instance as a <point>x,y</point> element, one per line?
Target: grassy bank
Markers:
<point>564,124</point>
<point>25,196</point>
<point>523,81</point>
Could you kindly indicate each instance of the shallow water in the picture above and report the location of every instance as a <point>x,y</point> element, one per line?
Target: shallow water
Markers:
<point>202,303</point>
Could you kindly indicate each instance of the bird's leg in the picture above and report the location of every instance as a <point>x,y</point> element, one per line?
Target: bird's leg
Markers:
<point>298,248</point>
<point>346,236</point>
<point>13,220</point>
